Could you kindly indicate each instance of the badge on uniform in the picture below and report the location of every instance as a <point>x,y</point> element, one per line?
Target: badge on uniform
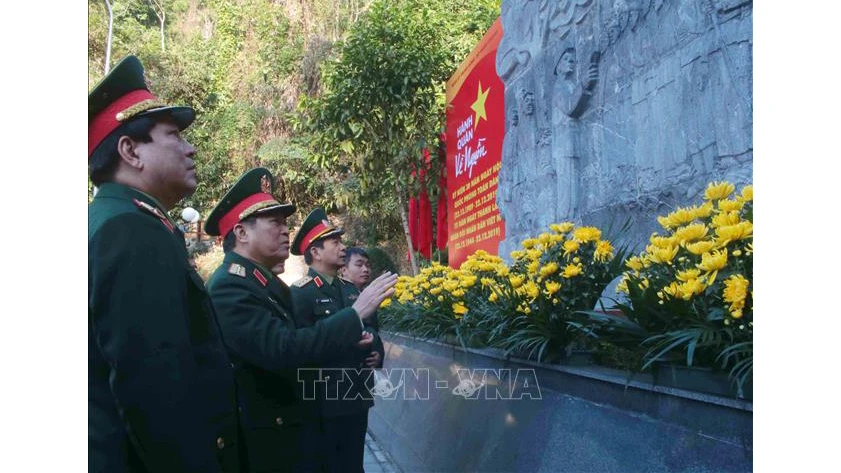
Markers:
<point>324,301</point>
<point>318,281</point>
<point>154,211</point>
<point>260,277</point>
<point>237,269</point>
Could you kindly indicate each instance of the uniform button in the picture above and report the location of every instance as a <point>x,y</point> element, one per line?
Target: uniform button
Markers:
<point>279,421</point>
<point>220,442</point>
<point>327,312</point>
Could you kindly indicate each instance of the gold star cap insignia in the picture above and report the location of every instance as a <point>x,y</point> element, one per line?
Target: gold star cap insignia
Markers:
<point>265,184</point>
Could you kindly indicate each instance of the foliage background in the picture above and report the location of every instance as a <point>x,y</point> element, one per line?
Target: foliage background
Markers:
<point>256,71</point>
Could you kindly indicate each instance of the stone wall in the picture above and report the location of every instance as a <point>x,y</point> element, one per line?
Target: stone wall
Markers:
<point>621,108</point>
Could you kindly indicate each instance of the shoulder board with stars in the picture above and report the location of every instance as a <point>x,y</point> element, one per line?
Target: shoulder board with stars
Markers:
<point>302,281</point>
<point>154,211</point>
<point>237,270</point>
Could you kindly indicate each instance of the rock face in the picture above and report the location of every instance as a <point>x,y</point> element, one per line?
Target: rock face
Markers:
<point>619,109</point>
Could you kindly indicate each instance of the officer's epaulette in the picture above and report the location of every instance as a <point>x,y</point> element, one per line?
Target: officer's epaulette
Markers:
<point>301,282</point>
<point>237,269</point>
<point>154,211</point>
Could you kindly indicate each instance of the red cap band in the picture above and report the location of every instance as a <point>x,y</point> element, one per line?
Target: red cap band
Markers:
<point>312,235</point>
<point>227,222</point>
<point>103,124</point>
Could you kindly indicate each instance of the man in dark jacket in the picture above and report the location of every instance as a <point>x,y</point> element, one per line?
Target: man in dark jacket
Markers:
<point>161,392</point>
<point>256,314</point>
<point>342,395</point>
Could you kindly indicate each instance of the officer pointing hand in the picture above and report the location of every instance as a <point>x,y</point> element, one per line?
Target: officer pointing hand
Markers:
<point>373,295</point>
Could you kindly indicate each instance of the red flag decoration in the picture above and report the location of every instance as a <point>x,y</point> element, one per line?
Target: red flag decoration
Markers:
<point>441,213</point>
<point>413,223</point>
<point>475,129</point>
<point>424,213</point>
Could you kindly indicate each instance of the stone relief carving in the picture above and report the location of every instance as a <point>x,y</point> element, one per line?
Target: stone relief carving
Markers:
<point>618,106</point>
<point>570,99</point>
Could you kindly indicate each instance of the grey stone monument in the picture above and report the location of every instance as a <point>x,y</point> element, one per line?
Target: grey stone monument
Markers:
<point>620,109</point>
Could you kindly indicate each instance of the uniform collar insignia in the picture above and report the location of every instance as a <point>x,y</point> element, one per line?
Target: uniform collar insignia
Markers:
<point>154,211</point>
<point>260,277</point>
<point>318,281</point>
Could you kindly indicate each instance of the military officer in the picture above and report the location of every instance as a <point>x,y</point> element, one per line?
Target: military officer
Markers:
<point>344,402</point>
<point>256,314</point>
<point>161,392</point>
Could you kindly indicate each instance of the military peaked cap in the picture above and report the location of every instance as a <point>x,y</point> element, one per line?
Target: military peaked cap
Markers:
<point>251,195</point>
<point>315,227</point>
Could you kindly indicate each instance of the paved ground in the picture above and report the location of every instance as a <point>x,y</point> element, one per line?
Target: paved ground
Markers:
<point>376,459</point>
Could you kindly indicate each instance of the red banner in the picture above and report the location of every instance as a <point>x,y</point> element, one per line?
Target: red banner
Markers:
<point>475,130</point>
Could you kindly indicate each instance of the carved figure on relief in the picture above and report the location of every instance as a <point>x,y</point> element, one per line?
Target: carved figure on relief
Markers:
<point>509,171</point>
<point>570,98</point>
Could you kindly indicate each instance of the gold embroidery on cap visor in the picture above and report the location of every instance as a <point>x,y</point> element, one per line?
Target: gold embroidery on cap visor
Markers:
<point>139,107</point>
<point>258,206</point>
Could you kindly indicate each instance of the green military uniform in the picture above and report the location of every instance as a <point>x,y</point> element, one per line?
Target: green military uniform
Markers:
<point>161,393</point>
<point>343,397</point>
<point>255,312</point>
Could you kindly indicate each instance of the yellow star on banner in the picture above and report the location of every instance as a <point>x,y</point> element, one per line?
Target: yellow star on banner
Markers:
<point>479,105</point>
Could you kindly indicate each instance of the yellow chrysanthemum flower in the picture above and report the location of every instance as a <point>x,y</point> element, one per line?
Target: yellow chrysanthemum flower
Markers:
<point>549,269</point>
<point>604,251</point>
<point>661,255</point>
<point>426,285</point>
<point>435,291</point>
<point>531,289</point>
<point>584,234</point>
<point>532,267</point>
<point>623,285</point>
<point>486,282</point>
<point>502,271</point>
<point>703,211</point>
<point>735,293</point>
<point>572,270</point>
<point>662,241</point>
<point>529,243</point>
<point>730,205</point>
<point>712,262</point>
<point>458,293</point>
<point>493,297</point>
<point>440,298</point>
<point>570,246</point>
<point>564,227</point>
<point>693,287</point>
<point>516,281</point>
<point>534,254</point>
<point>739,231</point>
<point>691,233</point>
<point>552,287</point>
<point>544,238</point>
<point>467,281</point>
<point>450,285</point>
<point>718,190</point>
<point>634,262</point>
<point>700,247</point>
<point>555,238</point>
<point>747,193</point>
<point>517,254</point>
<point>681,216</point>
<point>724,219</point>
<point>688,274</point>
<point>459,309</point>
<point>385,303</point>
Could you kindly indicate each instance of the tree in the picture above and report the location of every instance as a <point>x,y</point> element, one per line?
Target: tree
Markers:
<point>160,11</point>
<point>108,37</point>
<point>384,97</point>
